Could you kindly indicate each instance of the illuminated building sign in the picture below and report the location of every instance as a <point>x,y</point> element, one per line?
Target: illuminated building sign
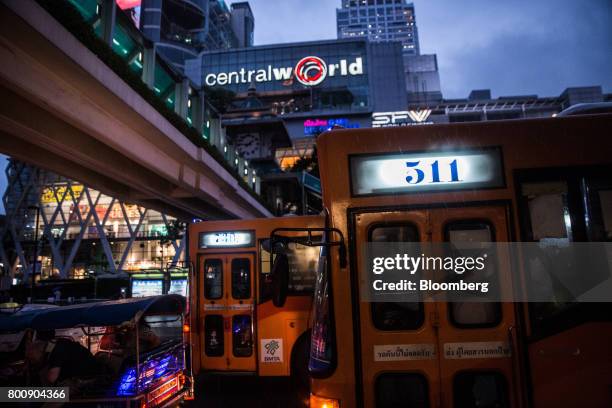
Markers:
<point>178,287</point>
<point>128,4</point>
<point>313,127</point>
<point>401,118</point>
<point>309,71</point>
<point>227,239</point>
<point>55,194</point>
<point>147,287</point>
<point>417,172</point>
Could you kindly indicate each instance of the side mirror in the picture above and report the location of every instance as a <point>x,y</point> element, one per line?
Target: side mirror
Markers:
<point>280,279</point>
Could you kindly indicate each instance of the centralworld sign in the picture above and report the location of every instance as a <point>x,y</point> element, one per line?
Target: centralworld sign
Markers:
<point>308,71</point>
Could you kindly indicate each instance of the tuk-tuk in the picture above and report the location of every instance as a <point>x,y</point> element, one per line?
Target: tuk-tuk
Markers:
<point>137,344</point>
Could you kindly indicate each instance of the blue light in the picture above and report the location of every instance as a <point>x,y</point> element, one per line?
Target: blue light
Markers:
<point>151,371</point>
<point>127,383</point>
<point>313,127</point>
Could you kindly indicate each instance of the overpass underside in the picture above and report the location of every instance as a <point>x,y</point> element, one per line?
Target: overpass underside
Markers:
<point>64,110</point>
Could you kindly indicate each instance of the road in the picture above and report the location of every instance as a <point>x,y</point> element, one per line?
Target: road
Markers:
<point>240,391</point>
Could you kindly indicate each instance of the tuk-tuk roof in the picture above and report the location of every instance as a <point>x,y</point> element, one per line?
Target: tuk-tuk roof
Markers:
<point>107,313</point>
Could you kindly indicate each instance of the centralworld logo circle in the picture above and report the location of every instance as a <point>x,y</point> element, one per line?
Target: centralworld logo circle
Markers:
<point>310,71</point>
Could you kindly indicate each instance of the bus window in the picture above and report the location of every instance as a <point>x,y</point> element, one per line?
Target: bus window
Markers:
<point>213,279</point>
<point>303,264</point>
<point>402,390</point>
<point>549,221</point>
<point>241,278</point>
<point>605,202</point>
<point>480,390</point>
<point>396,315</point>
<point>213,335</point>
<point>242,336</point>
<point>597,192</point>
<point>473,313</point>
<point>548,210</point>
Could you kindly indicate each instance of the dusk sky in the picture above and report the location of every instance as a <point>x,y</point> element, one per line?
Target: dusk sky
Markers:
<point>513,47</point>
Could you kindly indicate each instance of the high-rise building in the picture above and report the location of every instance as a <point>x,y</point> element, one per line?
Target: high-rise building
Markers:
<point>422,78</point>
<point>243,23</point>
<point>379,20</point>
<point>182,28</point>
<point>393,20</point>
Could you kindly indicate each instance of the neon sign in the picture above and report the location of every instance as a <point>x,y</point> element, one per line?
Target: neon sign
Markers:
<point>309,71</point>
<point>418,172</point>
<point>313,127</point>
<point>128,4</point>
<point>400,118</point>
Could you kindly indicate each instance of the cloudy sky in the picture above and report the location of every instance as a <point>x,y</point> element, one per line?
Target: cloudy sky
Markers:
<point>513,47</point>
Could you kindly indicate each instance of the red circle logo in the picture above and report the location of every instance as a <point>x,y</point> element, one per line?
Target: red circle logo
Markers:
<point>310,71</point>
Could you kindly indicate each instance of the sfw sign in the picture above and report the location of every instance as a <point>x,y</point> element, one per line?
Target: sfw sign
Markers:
<point>309,71</point>
<point>418,172</point>
<point>401,118</point>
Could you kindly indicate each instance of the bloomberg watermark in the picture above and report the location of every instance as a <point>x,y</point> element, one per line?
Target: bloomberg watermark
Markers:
<point>547,271</point>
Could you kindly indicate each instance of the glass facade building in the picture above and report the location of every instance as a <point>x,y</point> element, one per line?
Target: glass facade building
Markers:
<point>393,20</point>
<point>379,20</point>
<point>344,92</point>
<point>181,28</point>
<point>351,69</point>
<point>77,232</point>
<point>243,24</point>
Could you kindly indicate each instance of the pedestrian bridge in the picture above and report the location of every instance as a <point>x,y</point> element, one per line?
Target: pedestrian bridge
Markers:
<point>63,109</point>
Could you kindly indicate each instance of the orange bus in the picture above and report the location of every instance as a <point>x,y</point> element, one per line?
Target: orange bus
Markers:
<point>234,325</point>
<point>546,181</point>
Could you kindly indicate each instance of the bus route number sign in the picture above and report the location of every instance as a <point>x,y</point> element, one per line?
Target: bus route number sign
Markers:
<point>226,239</point>
<point>379,174</point>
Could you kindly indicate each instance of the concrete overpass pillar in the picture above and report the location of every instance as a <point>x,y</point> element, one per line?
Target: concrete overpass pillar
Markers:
<point>181,93</point>
<point>231,156</point>
<point>108,13</point>
<point>148,65</point>
<point>241,167</point>
<point>257,185</point>
<point>199,106</point>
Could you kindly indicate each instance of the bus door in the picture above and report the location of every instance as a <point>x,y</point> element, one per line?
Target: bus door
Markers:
<point>435,354</point>
<point>477,339</point>
<point>227,307</point>
<point>398,340</point>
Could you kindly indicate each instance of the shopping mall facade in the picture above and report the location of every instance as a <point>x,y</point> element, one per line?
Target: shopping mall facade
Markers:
<point>59,228</point>
<point>299,90</point>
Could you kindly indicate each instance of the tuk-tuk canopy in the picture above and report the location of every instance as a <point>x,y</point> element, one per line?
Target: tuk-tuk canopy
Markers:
<point>107,313</point>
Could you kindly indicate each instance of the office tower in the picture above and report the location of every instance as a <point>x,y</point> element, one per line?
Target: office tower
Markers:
<point>393,20</point>
<point>243,23</point>
<point>182,28</point>
<point>379,20</point>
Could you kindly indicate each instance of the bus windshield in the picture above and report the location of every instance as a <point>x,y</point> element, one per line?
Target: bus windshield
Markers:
<point>303,265</point>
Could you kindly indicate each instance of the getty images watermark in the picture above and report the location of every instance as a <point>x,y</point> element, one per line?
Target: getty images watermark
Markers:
<point>547,271</point>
